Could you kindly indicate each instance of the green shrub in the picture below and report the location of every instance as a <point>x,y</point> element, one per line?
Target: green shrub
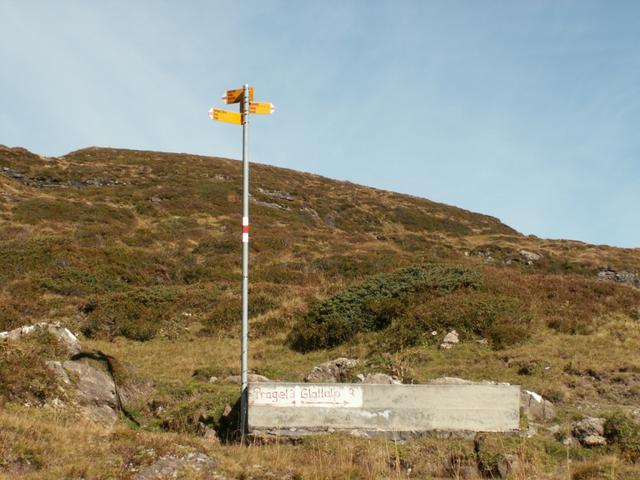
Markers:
<point>192,406</point>
<point>137,314</point>
<point>417,220</point>
<point>372,304</point>
<point>226,312</point>
<point>491,449</point>
<point>623,431</point>
<point>24,375</point>
<point>503,320</point>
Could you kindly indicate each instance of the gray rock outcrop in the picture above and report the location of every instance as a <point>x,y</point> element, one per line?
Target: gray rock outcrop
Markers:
<point>83,385</point>
<point>624,277</point>
<point>174,466</point>
<point>94,390</point>
<point>590,431</point>
<point>62,334</point>
<point>334,371</point>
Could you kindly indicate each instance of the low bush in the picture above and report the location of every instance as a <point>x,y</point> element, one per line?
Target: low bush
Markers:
<point>624,432</point>
<point>502,320</point>
<point>372,304</point>
<point>137,314</point>
<point>24,375</point>
<point>226,312</point>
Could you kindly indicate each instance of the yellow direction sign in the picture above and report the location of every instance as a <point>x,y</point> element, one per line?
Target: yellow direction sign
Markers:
<point>225,116</point>
<point>235,96</point>
<point>261,108</point>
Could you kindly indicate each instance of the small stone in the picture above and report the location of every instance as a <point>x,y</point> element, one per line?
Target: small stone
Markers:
<point>252,377</point>
<point>554,429</point>
<point>449,381</point>
<point>381,378</point>
<point>508,465</point>
<point>593,441</point>
<point>451,337</point>
<point>213,379</point>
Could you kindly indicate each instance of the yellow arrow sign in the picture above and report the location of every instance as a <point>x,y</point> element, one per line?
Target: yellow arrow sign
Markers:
<point>225,116</point>
<point>235,95</point>
<point>261,108</point>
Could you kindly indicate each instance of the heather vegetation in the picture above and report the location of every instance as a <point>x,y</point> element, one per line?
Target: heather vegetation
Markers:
<point>139,253</point>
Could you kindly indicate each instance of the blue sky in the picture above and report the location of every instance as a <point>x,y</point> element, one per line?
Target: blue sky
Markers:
<point>528,111</point>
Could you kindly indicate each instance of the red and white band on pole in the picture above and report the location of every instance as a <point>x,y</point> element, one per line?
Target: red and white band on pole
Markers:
<point>245,229</point>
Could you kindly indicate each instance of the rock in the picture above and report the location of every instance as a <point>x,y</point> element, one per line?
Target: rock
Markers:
<point>95,391</point>
<point>535,407</point>
<point>449,381</point>
<point>554,429</point>
<point>173,466</point>
<point>252,377</point>
<point>624,277</point>
<point>590,431</point>
<point>463,468</point>
<point>213,380</point>
<point>62,334</point>
<point>509,464</point>
<point>451,337</point>
<point>593,441</point>
<point>530,257</point>
<point>380,378</point>
<point>334,371</point>
<point>449,340</point>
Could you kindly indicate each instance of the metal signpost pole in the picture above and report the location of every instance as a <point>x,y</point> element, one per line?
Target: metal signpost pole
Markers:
<point>244,97</point>
<point>245,263</point>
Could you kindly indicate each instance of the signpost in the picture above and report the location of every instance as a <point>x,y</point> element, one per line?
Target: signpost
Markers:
<point>243,96</point>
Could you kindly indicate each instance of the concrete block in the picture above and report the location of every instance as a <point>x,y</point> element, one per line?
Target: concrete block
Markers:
<point>385,408</point>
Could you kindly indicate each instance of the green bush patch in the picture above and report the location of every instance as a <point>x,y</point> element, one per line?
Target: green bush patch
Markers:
<point>372,304</point>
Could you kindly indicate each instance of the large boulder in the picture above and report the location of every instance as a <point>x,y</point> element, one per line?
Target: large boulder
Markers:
<point>82,383</point>
<point>334,371</point>
<point>94,391</point>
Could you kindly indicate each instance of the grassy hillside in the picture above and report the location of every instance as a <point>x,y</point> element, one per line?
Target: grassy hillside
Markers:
<point>140,253</point>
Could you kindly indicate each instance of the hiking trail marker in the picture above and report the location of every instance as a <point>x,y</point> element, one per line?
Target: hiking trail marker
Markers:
<point>244,97</point>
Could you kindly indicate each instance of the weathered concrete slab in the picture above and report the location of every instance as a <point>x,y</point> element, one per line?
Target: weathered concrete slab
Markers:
<point>392,408</point>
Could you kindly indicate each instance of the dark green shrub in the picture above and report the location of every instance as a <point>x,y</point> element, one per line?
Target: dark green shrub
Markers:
<point>226,312</point>
<point>137,314</point>
<point>372,304</point>
<point>503,320</point>
<point>622,430</point>
<point>416,220</point>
